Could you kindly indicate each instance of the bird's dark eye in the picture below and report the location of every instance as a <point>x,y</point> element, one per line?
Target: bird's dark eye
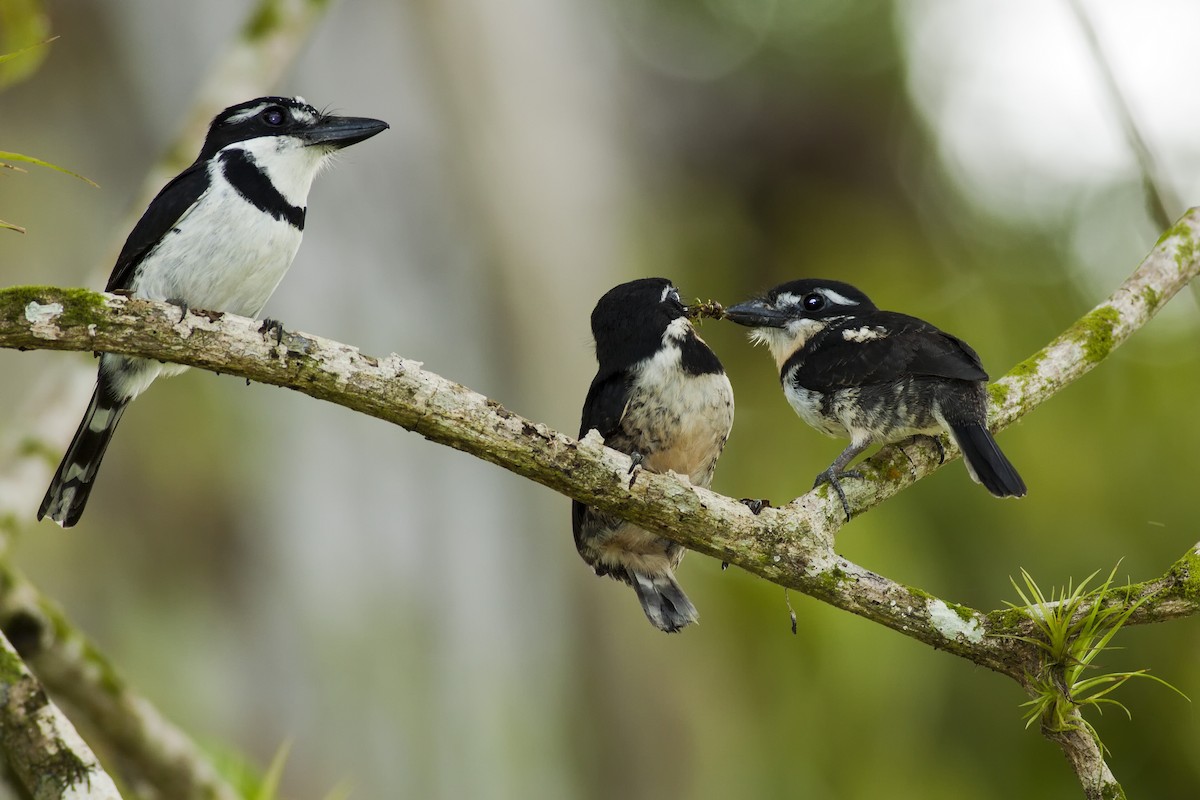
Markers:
<point>273,116</point>
<point>814,301</point>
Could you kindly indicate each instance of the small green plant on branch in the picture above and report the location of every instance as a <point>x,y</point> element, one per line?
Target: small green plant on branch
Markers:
<point>1074,626</point>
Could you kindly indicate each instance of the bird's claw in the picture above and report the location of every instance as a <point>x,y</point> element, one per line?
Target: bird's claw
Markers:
<point>936,441</point>
<point>272,327</point>
<point>755,505</point>
<point>183,309</point>
<point>635,462</point>
<point>834,480</point>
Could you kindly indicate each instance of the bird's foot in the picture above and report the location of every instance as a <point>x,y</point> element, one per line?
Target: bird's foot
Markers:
<point>635,463</point>
<point>936,441</point>
<point>183,308</point>
<point>755,505</point>
<point>272,327</point>
<point>833,478</point>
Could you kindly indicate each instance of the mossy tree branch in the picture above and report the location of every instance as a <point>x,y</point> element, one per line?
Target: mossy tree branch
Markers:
<point>790,546</point>
<point>149,750</point>
<point>1086,757</point>
<point>43,750</point>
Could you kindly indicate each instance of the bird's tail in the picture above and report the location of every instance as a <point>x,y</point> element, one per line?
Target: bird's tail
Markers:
<point>72,483</point>
<point>985,462</point>
<point>663,600</point>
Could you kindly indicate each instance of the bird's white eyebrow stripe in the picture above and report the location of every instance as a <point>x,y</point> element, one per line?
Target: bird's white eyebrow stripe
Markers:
<point>666,292</point>
<point>835,297</point>
<point>299,111</point>
<point>248,113</point>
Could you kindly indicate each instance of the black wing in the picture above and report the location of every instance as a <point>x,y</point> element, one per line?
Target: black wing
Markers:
<point>168,206</point>
<point>605,403</point>
<point>880,348</point>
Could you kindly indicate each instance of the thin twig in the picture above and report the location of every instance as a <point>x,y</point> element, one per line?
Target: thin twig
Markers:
<point>1161,202</point>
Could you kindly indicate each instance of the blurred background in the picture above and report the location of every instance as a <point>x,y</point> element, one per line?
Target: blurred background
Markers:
<point>417,623</point>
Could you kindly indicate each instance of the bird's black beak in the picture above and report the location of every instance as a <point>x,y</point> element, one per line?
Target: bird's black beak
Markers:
<point>343,131</point>
<point>757,314</point>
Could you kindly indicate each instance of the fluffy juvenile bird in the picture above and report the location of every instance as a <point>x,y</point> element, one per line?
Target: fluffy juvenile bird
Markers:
<point>661,396</point>
<point>219,236</point>
<point>851,370</point>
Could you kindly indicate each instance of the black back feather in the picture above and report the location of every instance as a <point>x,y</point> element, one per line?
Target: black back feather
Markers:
<point>168,207</point>
<point>906,347</point>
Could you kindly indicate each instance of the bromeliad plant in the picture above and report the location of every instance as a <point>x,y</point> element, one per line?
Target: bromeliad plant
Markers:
<point>1073,627</point>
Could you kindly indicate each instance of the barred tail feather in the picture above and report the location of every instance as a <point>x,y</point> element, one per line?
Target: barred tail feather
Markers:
<point>663,600</point>
<point>985,462</point>
<point>72,483</point>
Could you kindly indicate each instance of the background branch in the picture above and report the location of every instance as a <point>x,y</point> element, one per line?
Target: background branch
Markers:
<point>149,749</point>
<point>42,748</point>
<point>1160,201</point>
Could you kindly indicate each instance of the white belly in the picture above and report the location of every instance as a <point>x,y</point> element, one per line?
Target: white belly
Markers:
<point>689,421</point>
<point>234,271</point>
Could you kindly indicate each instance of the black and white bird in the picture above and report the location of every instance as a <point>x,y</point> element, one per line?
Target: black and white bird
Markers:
<point>851,370</point>
<point>219,236</point>
<point>661,396</point>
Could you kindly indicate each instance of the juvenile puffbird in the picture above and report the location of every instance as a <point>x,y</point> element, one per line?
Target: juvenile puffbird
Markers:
<point>219,236</point>
<point>661,396</point>
<point>851,370</point>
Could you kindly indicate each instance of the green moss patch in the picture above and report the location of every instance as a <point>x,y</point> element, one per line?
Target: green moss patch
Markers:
<point>1095,333</point>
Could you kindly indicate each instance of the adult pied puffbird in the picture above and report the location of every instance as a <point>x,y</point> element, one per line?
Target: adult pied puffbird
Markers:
<point>219,236</point>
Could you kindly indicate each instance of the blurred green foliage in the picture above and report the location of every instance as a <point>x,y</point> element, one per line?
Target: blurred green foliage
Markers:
<point>23,26</point>
<point>23,36</point>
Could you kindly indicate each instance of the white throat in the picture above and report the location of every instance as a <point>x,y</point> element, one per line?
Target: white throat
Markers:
<point>782,342</point>
<point>289,163</point>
